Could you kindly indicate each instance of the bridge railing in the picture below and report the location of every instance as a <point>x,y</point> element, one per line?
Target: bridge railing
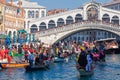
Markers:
<point>79,25</point>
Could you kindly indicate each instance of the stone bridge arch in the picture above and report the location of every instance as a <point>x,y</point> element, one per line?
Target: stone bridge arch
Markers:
<point>64,36</point>
<point>51,36</point>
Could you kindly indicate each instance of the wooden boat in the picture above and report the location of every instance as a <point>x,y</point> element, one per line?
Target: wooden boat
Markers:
<point>85,73</point>
<point>36,67</point>
<point>14,65</point>
<point>0,66</point>
<point>111,47</point>
<point>57,59</point>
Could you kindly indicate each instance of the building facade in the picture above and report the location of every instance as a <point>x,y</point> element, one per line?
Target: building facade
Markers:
<point>13,19</point>
<point>114,4</point>
<point>33,11</point>
<point>2,28</point>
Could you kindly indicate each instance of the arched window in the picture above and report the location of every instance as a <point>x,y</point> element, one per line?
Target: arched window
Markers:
<point>42,14</point>
<point>37,14</point>
<point>42,26</point>
<point>69,20</point>
<point>10,34</point>
<point>32,14</point>
<point>24,25</point>
<point>60,22</point>
<point>106,18</point>
<point>51,24</point>
<point>14,37</point>
<point>78,18</point>
<point>115,20</point>
<point>28,23</point>
<point>29,14</point>
<point>33,28</point>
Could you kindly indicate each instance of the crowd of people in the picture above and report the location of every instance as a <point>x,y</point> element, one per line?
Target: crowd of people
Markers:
<point>37,54</point>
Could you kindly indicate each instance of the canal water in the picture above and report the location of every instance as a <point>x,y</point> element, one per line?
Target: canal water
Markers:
<point>67,71</point>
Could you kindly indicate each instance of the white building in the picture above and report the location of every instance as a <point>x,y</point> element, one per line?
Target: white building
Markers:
<point>33,11</point>
<point>114,4</point>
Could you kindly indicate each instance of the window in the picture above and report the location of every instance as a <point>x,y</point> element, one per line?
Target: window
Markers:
<point>32,14</point>
<point>37,14</point>
<point>29,14</point>
<point>42,14</point>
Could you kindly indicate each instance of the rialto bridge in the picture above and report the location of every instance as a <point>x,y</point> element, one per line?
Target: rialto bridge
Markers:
<point>92,15</point>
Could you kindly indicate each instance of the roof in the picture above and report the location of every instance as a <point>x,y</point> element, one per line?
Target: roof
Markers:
<point>112,3</point>
<point>27,4</point>
<point>22,31</point>
<point>108,39</point>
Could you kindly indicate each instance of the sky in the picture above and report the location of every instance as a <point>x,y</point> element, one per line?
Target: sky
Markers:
<point>64,4</point>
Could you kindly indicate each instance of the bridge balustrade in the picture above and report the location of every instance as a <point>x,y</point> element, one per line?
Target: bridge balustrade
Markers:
<point>82,24</point>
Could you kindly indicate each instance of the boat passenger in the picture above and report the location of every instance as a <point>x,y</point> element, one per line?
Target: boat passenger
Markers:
<point>41,58</point>
<point>31,58</point>
<point>26,55</point>
<point>102,56</point>
<point>89,61</point>
<point>82,61</point>
<point>37,61</point>
<point>95,56</point>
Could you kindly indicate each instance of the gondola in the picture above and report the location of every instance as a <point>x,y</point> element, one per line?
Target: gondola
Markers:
<point>37,67</point>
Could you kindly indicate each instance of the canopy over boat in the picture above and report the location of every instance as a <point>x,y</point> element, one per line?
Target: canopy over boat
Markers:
<point>110,43</point>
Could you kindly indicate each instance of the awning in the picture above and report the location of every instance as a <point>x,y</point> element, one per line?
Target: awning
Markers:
<point>22,31</point>
<point>3,36</point>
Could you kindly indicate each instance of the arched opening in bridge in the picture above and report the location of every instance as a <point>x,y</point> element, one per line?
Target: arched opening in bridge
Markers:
<point>33,28</point>
<point>78,18</point>
<point>42,26</point>
<point>69,20</point>
<point>115,20</point>
<point>60,22</point>
<point>106,18</point>
<point>51,24</point>
<point>88,35</point>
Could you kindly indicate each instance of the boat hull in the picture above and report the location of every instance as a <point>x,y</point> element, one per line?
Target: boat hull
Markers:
<point>85,73</point>
<point>36,67</point>
<point>14,65</point>
<point>113,51</point>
